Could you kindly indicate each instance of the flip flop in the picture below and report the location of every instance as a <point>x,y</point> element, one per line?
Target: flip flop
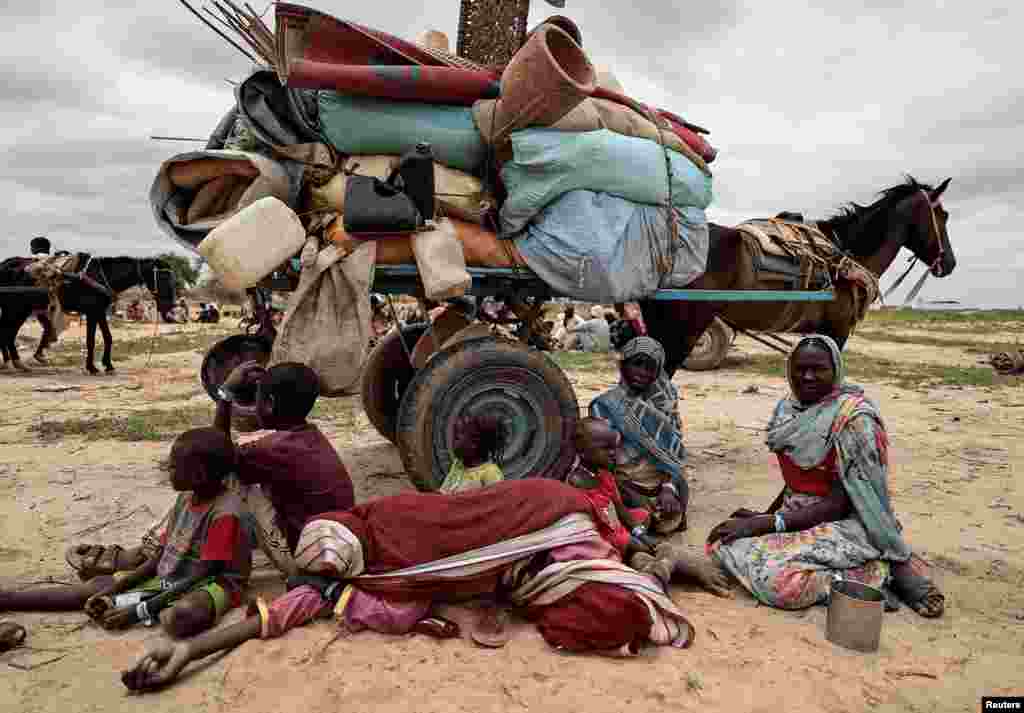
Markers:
<point>491,629</point>
<point>11,635</point>
<point>437,627</point>
<point>93,560</point>
<point>915,589</point>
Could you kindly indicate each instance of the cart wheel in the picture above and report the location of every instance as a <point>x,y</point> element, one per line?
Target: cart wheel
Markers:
<point>520,385</point>
<point>710,350</point>
<point>386,375</point>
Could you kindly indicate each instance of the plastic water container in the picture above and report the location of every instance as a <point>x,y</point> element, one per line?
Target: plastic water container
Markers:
<point>441,262</point>
<point>253,242</point>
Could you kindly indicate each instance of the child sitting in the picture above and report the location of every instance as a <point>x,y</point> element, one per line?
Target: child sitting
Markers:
<point>199,572</point>
<point>477,447</point>
<point>597,445</point>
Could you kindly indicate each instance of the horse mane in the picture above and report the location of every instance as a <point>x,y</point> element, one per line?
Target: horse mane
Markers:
<point>865,242</point>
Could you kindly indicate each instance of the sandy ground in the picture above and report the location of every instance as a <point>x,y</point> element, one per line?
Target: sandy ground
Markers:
<point>955,455</point>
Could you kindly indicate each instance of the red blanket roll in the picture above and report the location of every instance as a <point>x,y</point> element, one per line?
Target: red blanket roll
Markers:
<point>438,85</point>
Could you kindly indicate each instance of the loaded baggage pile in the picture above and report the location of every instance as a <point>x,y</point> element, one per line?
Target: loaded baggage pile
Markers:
<point>349,147</point>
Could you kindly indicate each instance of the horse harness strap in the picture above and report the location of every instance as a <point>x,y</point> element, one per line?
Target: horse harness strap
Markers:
<point>774,242</point>
<point>934,225</point>
<point>82,276</point>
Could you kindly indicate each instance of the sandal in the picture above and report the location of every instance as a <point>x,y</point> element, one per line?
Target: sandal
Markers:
<point>917,591</point>
<point>11,635</point>
<point>437,627</point>
<point>90,561</point>
<point>491,631</point>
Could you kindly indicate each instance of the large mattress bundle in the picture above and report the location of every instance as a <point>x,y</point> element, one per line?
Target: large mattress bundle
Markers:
<point>544,162</point>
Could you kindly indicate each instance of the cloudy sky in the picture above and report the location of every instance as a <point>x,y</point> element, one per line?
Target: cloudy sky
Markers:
<point>808,107</point>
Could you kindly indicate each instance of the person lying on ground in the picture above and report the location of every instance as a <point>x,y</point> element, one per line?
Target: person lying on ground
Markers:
<point>592,335</point>
<point>382,564</point>
<point>203,563</point>
<point>478,444</point>
<point>834,516</point>
<point>644,409</point>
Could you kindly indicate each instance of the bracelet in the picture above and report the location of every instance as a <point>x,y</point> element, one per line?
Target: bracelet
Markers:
<point>780,522</point>
<point>225,395</point>
<point>638,531</point>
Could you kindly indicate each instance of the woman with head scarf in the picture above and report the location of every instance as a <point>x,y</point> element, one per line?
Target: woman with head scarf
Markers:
<point>644,409</point>
<point>833,519</point>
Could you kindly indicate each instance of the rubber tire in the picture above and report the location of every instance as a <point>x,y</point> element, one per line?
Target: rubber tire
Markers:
<point>386,375</point>
<point>713,347</point>
<point>504,372</point>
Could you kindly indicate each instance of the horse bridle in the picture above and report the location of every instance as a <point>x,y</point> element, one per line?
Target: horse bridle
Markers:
<point>934,230</point>
<point>934,226</point>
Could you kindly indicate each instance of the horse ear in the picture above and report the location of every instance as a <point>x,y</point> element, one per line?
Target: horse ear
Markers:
<point>938,191</point>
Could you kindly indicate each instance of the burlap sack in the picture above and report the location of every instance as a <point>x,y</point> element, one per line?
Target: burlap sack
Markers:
<point>327,324</point>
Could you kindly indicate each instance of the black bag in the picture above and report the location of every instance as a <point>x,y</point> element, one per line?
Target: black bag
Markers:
<point>375,207</point>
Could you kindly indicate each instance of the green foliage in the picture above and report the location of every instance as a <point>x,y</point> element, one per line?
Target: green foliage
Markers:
<point>185,272</point>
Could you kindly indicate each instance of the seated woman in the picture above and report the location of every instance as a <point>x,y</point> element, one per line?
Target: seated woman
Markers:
<point>643,408</point>
<point>833,518</point>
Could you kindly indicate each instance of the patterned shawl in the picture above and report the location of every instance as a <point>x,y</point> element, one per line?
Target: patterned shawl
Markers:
<point>847,421</point>
<point>648,421</point>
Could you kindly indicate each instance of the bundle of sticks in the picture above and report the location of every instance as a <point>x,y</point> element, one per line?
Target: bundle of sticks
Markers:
<point>244,22</point>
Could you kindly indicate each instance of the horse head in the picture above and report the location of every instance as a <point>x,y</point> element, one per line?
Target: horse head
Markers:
<point>929,238</point>
<point>909,215</point>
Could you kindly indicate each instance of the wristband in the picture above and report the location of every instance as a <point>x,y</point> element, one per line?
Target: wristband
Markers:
<point>142,612</point>
<point>638,531</point>
<point>780,522</point>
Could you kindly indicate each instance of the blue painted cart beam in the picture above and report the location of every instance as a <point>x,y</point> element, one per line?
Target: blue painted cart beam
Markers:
<point>745,295</point>
<point>404,280</point>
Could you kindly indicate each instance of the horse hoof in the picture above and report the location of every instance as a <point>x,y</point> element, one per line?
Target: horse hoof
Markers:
<point>109,369</point>
<point>92,370</point>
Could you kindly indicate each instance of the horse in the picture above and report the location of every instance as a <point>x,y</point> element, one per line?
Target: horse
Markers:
<point>92,296</point>
<point>907,215</point>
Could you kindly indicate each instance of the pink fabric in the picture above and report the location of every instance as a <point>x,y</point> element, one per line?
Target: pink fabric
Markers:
<point>295,608</point>
<point>590,550</point>
<point>373,612</point>
<point>362,611</point>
